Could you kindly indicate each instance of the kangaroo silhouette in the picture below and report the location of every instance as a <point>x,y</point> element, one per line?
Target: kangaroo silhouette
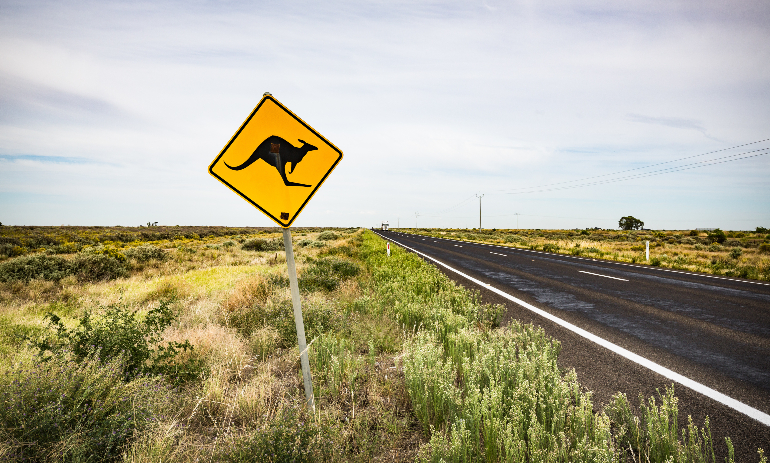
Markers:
<point>278,152</point>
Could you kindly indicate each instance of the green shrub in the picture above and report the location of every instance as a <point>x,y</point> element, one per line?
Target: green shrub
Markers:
<point>11,250</point>
<point>66,248</point>
<point>549,247</point>
<point>311,244</point>
<point>74,411</point>
<point>327,236</point>
<point>86,266</point>
<point>98,267</point>
<point>501,397</point>
<point>736,253</point>
<point>576,251</point>
<point>764,248</point>
<point>717,236</point>
<point>327,273</point>
<point>655,261</point>
<point>655,435</point>
<point>105,251</point>
<point>120,332</point>
<point>263,245</point>
<point>715,247</point>
<point>699,247</point>
<point>146,253</point>
<point>52,268</point>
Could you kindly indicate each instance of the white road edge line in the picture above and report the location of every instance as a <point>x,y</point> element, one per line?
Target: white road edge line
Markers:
<point>605,276</point>
<point>751,412</point>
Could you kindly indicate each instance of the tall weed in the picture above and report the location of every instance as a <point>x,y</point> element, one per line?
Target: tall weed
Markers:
<point>65,410</point>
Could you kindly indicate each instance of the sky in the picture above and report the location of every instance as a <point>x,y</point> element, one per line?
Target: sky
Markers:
<point>561,114</point>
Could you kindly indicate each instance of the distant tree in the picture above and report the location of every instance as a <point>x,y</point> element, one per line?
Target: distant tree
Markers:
<point>759,230</point>
<point>717,236</point>
<point>630,223</point>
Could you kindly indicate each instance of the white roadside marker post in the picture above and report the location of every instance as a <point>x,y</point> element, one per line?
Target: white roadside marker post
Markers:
<point>308,380</point>
<point>388,248</point>
<point>647,245</point>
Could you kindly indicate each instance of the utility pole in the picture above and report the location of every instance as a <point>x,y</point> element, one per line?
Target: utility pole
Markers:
<point>416,214</point>
<point>479,210</point>
<point>517,220</point>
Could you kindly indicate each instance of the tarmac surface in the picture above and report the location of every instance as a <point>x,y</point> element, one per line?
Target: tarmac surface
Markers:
<point>714,331</point>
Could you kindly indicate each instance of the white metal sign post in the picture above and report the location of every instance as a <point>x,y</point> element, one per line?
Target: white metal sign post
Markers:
<point>296,302</point>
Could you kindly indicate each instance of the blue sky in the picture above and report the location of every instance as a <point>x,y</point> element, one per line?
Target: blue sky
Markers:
<point>110,112</point>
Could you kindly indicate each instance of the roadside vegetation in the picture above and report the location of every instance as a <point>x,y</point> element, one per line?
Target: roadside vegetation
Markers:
<point>188,353</point>
<point>743,254</point>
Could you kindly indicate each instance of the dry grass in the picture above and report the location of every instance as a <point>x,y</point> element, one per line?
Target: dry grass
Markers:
<point>252,369</point>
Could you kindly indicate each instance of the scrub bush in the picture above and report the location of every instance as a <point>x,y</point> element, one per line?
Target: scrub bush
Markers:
<point>514,239</point>
<point>326,274</point>
<point>65,410</point>
<point>549,247</point>
<point>717,236</point>
<point>120,332</point>
<point>98,267</point>
<point>310,244</point>
<point>327,236</point>
<point>11,250</point>
<point>28,268</point>
<point>655,435</point>
<point>263,245</point>
<point>146,253</point>
<point>66,248</point>
<point>736,253</point>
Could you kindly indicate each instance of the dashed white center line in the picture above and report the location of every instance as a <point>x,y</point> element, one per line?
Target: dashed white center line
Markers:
<point>605,276</point>
<point>498,254</point>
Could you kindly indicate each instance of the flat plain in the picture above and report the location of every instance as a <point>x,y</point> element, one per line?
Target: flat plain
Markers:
<point>178,344</point>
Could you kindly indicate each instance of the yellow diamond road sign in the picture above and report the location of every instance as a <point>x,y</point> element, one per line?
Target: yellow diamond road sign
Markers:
<point>276,161</point>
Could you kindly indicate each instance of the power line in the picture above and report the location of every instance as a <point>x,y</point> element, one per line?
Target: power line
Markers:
<point>667,170</point>
<point>639,168</point>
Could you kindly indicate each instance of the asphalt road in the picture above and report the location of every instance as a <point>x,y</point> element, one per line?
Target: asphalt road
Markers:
<point>715,332</point>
